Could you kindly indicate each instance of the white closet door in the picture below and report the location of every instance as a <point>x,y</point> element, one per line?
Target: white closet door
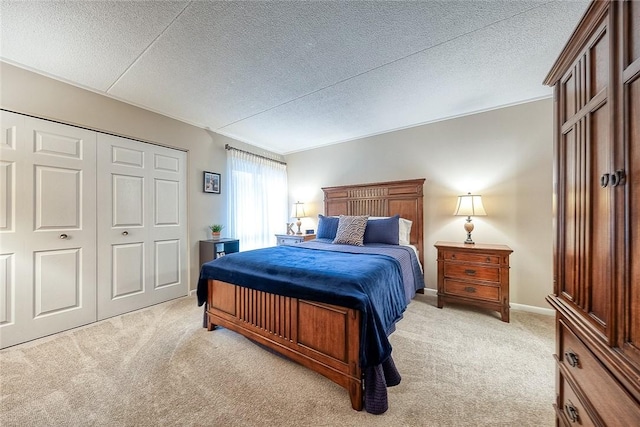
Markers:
<point>48,230</point>
<point>142,225</point>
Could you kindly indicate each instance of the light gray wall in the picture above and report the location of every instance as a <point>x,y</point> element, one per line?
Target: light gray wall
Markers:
<point>30,93</point>
<point>505,155</point>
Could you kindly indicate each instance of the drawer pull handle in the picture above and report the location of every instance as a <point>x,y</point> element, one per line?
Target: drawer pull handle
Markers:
<point>470,272</point>
<point>64,236</point>
<point>571,358</point>
<point>453,256</point>
<point>488,259</point>
<point>571,411</point>
<point>470,289</point>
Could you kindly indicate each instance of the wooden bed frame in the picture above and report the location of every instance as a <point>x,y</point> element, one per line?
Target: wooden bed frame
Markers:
<point>325,338</point>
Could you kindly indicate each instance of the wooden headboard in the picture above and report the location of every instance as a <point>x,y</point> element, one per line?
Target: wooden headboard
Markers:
<point>404,198</point>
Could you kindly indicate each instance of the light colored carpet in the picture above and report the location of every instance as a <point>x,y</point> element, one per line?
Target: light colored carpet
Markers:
<point>460,366</point>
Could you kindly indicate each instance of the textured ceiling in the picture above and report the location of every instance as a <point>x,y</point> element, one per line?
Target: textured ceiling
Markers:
<point>290,76</point>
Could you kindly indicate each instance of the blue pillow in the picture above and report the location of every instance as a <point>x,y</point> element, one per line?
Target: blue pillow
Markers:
<point>327,227</point>
<point>385,230</point>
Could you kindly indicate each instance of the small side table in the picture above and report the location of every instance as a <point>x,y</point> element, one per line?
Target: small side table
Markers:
<point>215,248</point>
<point>475,274</point>
<point>292,239</point>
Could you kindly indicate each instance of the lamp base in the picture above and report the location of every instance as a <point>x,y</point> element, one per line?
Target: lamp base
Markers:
<point>299,223</point>
<point>468,226</point>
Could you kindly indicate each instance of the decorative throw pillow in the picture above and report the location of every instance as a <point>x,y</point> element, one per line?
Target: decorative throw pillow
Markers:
<point>383,230</point>
<point>327,227</point>
<point>351,230</point>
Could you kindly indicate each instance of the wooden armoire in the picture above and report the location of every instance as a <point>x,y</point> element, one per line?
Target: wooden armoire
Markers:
<point>596,295</point>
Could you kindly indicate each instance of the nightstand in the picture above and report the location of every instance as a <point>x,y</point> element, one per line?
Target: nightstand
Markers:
<point>292,239</point>
<point>215,248</point>
<point>474,274</point>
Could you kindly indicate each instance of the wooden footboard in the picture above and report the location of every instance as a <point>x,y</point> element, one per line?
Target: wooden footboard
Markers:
<point>322,337</point>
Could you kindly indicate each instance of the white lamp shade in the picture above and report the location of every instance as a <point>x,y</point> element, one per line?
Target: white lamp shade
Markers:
<point>298,210</point>
<point>470,205</point>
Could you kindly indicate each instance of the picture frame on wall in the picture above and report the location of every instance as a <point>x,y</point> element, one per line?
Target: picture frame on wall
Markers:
<point>211,182</point>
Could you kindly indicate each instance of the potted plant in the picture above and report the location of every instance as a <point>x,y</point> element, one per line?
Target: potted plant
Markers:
<point>215,230</point>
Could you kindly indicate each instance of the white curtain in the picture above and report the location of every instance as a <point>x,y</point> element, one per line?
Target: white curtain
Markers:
<point>256,199</point>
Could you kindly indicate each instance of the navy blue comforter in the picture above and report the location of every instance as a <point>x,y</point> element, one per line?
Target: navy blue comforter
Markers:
<point>371,283</point>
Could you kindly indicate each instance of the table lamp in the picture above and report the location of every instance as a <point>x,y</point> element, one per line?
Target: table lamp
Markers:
<point>469,205</point>
<point>298,212</point>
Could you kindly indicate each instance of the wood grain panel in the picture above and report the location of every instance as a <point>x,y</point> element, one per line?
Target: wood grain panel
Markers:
<point>568,94</point>
<point>631,25</point>
<point>599,277</point>
<point>568,240</point>
<point>632,303</point>
<point>598,70</point>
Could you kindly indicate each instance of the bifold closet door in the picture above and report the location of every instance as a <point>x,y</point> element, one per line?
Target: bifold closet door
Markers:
<point>141,225</point>
<point>47,228</point>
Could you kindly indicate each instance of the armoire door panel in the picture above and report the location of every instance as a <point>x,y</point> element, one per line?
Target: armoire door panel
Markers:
<point>598,72</point>
<point>632,283</point>
<point>598,279</point>
<point>569,239</point>
<point>568,94</point>
<point>632,24</point>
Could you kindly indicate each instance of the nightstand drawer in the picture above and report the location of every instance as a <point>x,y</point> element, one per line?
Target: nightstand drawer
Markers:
<point>472,272</point>
<point>470,290</point>
<point>467,257</point>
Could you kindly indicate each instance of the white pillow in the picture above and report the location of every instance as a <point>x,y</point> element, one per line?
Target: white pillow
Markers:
<point>404,229</point>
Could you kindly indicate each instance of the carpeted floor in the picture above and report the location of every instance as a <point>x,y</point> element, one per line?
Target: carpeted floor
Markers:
<point>460,366</point>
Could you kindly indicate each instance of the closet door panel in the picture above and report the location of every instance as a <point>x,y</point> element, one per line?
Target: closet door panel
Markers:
<point>142,237</point>
<point>169,224</point>
<point>49,249</point>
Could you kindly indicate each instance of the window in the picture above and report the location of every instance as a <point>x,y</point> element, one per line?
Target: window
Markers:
<point>257,198</point>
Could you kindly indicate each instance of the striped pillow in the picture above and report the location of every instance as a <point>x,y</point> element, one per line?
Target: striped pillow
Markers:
<point>351,230</point>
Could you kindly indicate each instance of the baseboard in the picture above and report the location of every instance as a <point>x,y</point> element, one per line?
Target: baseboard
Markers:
<point>192,291</point>
<point>514,306</point>
<point>533,309</point>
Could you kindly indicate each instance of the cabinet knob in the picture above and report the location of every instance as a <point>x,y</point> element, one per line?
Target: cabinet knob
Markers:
<point>64,236</point>
<point>571,358</point>
<point>571,411</point>
<point>125,233</point>
<point>469,272</point>
<point>604,180</point>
